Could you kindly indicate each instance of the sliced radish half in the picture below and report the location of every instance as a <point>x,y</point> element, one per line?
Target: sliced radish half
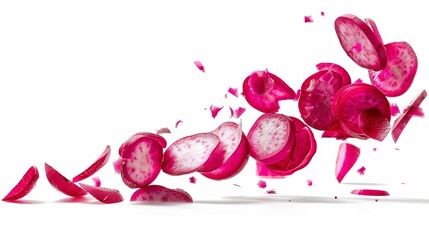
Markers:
<point>347,156</point>
<point>102,194</point>
<point>160,194</point>
<point>100,162</point>
<point>24,186</point>
<point>63,184</point>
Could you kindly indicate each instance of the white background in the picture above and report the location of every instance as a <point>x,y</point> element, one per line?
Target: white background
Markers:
<point>76,76</point>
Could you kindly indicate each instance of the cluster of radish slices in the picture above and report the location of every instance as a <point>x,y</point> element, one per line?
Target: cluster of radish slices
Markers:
<point>280,144</point>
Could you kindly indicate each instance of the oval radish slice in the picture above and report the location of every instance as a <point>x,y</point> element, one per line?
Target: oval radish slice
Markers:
<point>24,186</point>
<point>370,192</point>
<point>192,153</point>
<point>302,153</point>
<point>354,98</point>
<point>402,120</point>
<point>160,194</point>
<point>63,184</point>
<point>315,102</point>
<point>160,139</point>
<point>345,76</point>
<point>263,91</point>
<point>102,194</point>
<point>271,138</point>
<point>360,42</point>
<point>141,162</point>
<point>347,156</point>
<point>398,75</point>
<point>97,165</point>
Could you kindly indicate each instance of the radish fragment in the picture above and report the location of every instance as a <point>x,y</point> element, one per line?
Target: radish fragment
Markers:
<point>361,171</point>
<point>370,192</point>
<point>394,109</point>
<point>100,162</point>
<point>178,122</point>
<point>192,179</point>
<point>215,110</point>
<point>102,194</point>
<point>360,43</point>
<point>233,91</point>
<point>402,120</point>
<point>262,184</point>
<point>24,186</point>
<point>347,156</point>
<point>199,65</point>
<point>308,19</point>
<point>160,194</point>
<point>63,184</point>
<point>97,181</point>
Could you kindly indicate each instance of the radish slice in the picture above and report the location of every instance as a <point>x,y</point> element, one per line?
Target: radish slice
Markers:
<point>63,184</point>
<point>347,156</point>
<point>315,102</point>
<point>401,122</point>
<point>160,194</point>
<point>97,165</point>
<point>345,76</point>
<point>374,124</point>
<point>398,75</point>
<point>370,192</point>
<point>193,153</point>
<point>360,43</point>
<point>271,138</point>
<point>131,140</point>
<point>263,91</point>
<point>104,195</point>
<point>199,66</point>
<point>24,186</point>
<point>235,150</point>
<point>141,162</point>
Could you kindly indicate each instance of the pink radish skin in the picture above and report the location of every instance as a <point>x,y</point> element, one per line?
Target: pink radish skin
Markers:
<point>141,162</point>
<point>374,28</point>
<point>160,194</point>
<point>398,75</point>
<point>370,192</point>
<point>347,156</point>
<point>160,139</point>
<point>271,138</point>
<point>402,120</point>
<point>24,186</point>
<point>102,194</point>
<point>100,162</point>
<point>235,148</point>
<point>360,43</point>
<point>345,76</point>
<point>263,91</point>
<point>197,152</point>
<point>63,184</point>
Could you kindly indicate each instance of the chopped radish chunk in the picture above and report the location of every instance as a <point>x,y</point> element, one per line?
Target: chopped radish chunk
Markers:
<point>308,19</point>
<point>401,122</point>
<point>24,186</point>
<point>361,171</point>
<point>347,156</point>
<point>199,65</point>
<point>233,91</point>
<point>262,184</point>
<point>239,111</point>
<point>215,110</point>
<point>62,184</point>
<point>192,179</point>
<point>370,192</point>
<point>353,32</point>
<point>104,195</point>
<point>398,75</point>
<point>160,194</point>
<point>94,167</point>
<point>309,182</point>
<point>271,138</point>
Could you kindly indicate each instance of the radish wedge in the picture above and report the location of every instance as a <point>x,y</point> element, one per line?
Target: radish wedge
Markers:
<point>347,156</point>
<point>374,124</point>
<point>370,192</point>
<point>97,165</point>
<point>360,43</point>
<point>402,120</point>
<point>263,91</point>
<point>63,184</point>
<point>197,152</point>
<point>160,194</point>
<point>24,186</point>
<point>160,139</point>
<point>102,194</point>
<point>398,75</point>
<point>235,151</point>
<point>141,162</point>
<point>271,138</point>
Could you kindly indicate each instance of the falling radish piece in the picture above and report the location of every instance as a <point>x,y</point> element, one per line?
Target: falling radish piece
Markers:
<point>102,194</point>
<point>63,184</point>
<point>100,162</point>
<point>199,66</point>
<point>215,110</point>
<point>262,184</point>
<point>370,192</point>
<point>347,156</point>
<point>97,181</point>
<point>24,186</point>
<point>160,194</point>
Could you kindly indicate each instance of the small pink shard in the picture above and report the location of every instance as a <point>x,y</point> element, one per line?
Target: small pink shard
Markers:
<point>233,91</point>
<point>215,110</point>
<point>361,171</point>
<point>394,109</point>
<point>239,111</point>
<point>97,181</point>
<point>322,13</point>
<point>199,65</point>
<point>308,19</point>
<point>272,191</point>
<point>309,182</point>
<point>192,179</point>
<point>262,184</point>
<point>178,122</point>
<point>416,112</point>
<point>163,130</point>
<point>370,192</point>
<point>359,80</point>
<point>357,47</point>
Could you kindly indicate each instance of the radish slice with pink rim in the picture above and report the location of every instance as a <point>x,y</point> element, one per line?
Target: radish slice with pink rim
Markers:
<point>370,192</point>
<point>160,194</point>
<point>100,162</point>
<point>63,184</point>
<point>135,137</point>
<point>347,156</point>
<point>398,75</point>
<point>102,194</point>
<point>360,43</point>
<point>402,120</point>
<point>271,138</point>
<point>24,186</point>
